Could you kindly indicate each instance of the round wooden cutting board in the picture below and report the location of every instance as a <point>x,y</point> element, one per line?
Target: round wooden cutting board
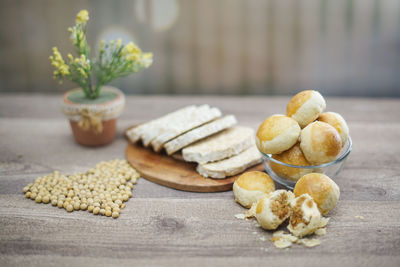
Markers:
<point>165,170</point>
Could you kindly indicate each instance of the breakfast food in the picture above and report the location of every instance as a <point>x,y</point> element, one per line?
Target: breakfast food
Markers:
<point>191,120</point>
<point>305,107</point>
<point>337,121</point>
<point>199,133</point>
<point>292,156</point>
<point>277,134</point>
<point>324,191</point>
<point>231,166</point>
<point>274,209</point>
<point>100,190</point>
<point>320,142</point>
<point>251,186</point>
<point>220,146</point>
<point>305,218</point>
<point>149,130</point>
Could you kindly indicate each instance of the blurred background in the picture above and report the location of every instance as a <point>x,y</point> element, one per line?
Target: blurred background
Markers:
<point>241,47</point>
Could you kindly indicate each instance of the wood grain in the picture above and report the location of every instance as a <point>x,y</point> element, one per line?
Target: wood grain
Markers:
<point>166,227</point>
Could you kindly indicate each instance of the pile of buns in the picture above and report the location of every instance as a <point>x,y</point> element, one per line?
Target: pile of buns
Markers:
<point>314,195</point>
<point>202,135</point>
<point>305,136</point>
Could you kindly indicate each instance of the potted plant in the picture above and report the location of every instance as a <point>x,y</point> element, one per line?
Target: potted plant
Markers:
<point>93,108</point>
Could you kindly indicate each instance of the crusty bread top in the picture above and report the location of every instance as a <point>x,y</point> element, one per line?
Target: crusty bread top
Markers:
<point>338,122</point>
<point>321,188</point>
<point>274,126</point>
<point>293,156</point>
<point>256,180</point>
<point>297,101</point>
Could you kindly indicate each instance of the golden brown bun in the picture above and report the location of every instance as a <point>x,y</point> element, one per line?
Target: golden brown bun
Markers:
<point>337,121</point>
<point>251,186</point>
<point>324,191</point>
<point>320,142</point>
<point>305,107</point>
<point>277,134</point>
<point>293,156</point>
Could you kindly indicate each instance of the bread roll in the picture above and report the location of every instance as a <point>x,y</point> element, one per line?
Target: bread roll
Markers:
<point>293,156</point>
<point>277,134</point>
<point>324,191</point>
<point>305,218</point>
<point>320,142</point>
<point>274,209</point>
<point>251,186</point>
<point>305,107</point>
<point>337,121</point>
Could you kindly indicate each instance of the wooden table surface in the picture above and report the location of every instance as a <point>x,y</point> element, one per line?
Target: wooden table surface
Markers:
<point>162,226</point>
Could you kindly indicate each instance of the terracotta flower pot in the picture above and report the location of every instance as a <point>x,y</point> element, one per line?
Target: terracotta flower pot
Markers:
<point>93,121</point>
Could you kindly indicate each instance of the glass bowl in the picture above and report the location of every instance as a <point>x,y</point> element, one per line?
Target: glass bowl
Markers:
<point>287,174</point>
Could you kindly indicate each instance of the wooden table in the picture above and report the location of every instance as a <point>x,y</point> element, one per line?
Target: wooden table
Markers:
<point>162,226</point>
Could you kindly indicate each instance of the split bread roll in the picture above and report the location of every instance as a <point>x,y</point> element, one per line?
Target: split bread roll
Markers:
<point>337,121</point>
<point>251,186</point>
<point>305,107</point>
<point>293,156</point>
<point>324,191</point>
<point>305,218</point>
<point>320,142</point>
<point>277,134</point>
<point>274,209</point>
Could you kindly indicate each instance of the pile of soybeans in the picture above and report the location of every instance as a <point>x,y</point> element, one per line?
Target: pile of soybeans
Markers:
<point>101,190</point>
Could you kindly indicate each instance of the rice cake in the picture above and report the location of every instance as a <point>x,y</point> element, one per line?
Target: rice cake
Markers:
<point>186,122</point>
<point>220,146</point>
<point>154,127</point>
<point>231,166</point>
<point>199,133</point>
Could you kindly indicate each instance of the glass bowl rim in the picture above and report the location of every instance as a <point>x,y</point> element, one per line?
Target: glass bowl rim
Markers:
<point>338,160</point>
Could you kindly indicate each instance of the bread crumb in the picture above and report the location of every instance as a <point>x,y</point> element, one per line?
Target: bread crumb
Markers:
<point>320,231</point>
<point>252,211</point>
<point>282,243</point>
<point>240,216</point>
<point>278,233</point>
<point>290,237</point>
<point>324,221</point>
<point>359,217</point>
<point>310,242</point>
<point>254,233</point>
<point>263,238</point>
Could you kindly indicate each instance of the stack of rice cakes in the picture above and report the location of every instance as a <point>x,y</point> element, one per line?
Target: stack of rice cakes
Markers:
<point>203,135</point>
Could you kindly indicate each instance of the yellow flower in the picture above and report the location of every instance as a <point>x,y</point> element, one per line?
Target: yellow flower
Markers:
<point>119,42</point>
<point>131,48</point>
<point>82,17</point>
<point>147,59</point>
<point>57,61</point>
<point>102,45</point>
<point>131,52</point>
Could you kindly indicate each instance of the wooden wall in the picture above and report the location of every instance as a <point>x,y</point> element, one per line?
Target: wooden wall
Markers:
<point>340,47</point>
